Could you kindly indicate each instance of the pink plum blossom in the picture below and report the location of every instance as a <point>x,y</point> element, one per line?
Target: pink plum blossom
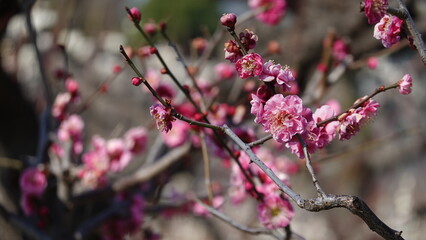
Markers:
<point>249,66</point>
<point>60,105</point>
<point>33,181</point>
<point>232,51</point>
<point>144,51</point>
<point>257,108</point>
<point>136,139</point>
<point>388,30</point>
<point>162,117</point>
<point>275,10</point>
<point>274,72</point>
<point>177,135</point>
<point>351,121</point>
<point>284,117</point>
<point>275,211</point>
<point>72,86</point>
<point>224,71</point>
<point>119,156</point>
<point>71,129</point>
<point>405,84</point>
<point>248,39</point>
<point>375,10</point>
<point>340,50</point>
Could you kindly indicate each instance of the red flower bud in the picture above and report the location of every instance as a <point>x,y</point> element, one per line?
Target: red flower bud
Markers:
<point>136,81</point>
<point>229,20</point>
<point>135,15</point>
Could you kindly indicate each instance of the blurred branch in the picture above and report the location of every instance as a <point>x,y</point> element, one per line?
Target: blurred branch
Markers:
<point>328,201</point>
<point>23,224</point>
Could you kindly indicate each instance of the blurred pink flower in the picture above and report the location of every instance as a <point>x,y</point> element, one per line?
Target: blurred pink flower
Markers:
<point>405,84</point>
<point>177,135</point>
<point>275,211</point>
<point>33,182</point>
<point>372,62</point>
<point>136,139</point>
<point>250,65</point>
<point>274,10</point>
<point>340,50</point>
<point>71,129</point>
<point>224,71</point>
<point>119,155</point>
<point>200,210</point>
<point>375,10</point>
<point>60,105</point>
<point>388,30</point>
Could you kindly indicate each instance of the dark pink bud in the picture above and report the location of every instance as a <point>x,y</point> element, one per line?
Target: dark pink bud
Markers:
<point>228,20</point>
<point>163,71</point>
<point>153,50</point>
<point>163,26</point>
<point>135,15</point>
<point>136,81</point>
<point>72,86</point>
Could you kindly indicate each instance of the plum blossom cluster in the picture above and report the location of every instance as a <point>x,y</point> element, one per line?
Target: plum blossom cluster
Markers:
<point>273,10</point>
<point>275,210</point>
<point>111,155</point>
<point>388,30</point>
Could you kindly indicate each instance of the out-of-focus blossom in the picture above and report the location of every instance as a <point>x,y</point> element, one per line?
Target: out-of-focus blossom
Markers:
<point>200,210</point>
<point>372,63</point>
<point>199,44</point>
<point>275,211</point>
<point>119,155</point>
<point>144,51</point>
<point>250,65</point>
<point>375,10</point>
<point>33,182</point>
<point>60,105</point>
<point>71,129</point>
<point>340,50</point>
<point>72,86</point>
<point>224,71</point>
<point>274,10</point>
<point>388,30</point>
<point>177,135</point>
<point>136,139</point>
<point>150,28</point>
<point>135,14</point>
<point>405,84</point>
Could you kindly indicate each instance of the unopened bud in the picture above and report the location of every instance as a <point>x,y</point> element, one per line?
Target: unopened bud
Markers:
<point>135,15</point>
<point>229,20</point>
<point>136,81</point>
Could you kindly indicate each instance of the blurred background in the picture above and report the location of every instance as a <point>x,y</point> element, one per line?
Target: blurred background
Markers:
<point>384,164</point>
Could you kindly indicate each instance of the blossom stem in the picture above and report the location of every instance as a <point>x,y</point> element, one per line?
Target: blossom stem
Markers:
<point>321,193</point>
<point>357,105</point>
<point>206,161</point>
<point>144,81</point>
<point>260,141</point>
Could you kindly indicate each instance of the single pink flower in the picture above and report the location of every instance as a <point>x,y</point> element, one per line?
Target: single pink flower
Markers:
<point>71,129</point>
<point>177,135</point>
<point>249,66</point>
<point>72,86</point>
<point>388,30</point>
<point>60,105</point>
<point>405,84</point>
<point>375,10</point>
<point>257,108</point>
<point>224,71</point>
<point>274,10</point>
<point>119,155</point>
<point>199,44</point>
<point>136,139</point>
<point>284,117</point>
<point>340,50</point>
<point>162,117</point>
<point>144,51</point>
<point>33,182</point>
<point>275,211</point>
<point>150,28</point>
<point>248,39</point>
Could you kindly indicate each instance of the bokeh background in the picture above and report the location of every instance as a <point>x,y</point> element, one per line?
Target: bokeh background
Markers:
<point>384,164</point>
